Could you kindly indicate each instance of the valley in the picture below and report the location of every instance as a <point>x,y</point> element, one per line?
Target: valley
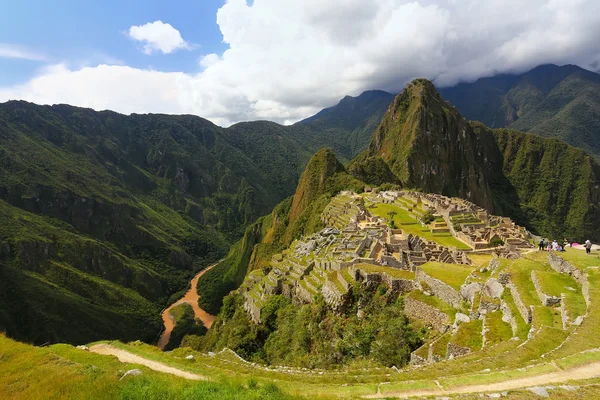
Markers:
<point>191,297</point>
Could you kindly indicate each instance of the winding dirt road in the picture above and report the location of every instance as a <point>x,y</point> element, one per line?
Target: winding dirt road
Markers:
<point>191,297</point>
<point>127,357</point>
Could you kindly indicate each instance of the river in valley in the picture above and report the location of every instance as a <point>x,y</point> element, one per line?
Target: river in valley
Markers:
<point>191,297</point>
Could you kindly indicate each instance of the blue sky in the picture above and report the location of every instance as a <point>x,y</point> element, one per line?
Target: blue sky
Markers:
<point>87,32</point>
<point>279,60</point>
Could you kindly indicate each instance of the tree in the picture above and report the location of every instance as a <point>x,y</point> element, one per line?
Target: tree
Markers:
<point>392,222</point>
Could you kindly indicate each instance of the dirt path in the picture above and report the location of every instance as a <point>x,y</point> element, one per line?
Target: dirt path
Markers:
<point>579,373</point>
<point>191,297</point>
<point>127,357</point>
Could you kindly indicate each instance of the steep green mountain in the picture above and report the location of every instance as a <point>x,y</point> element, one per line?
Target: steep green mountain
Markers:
<point>551,101</point>
<point>544,184</point>
<point>425,143</point>
<point>99,202</point>
<point>349,125</point>
<point>323,177</point>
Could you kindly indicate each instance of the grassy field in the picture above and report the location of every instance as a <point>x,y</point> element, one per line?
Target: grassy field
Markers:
<point>579,259</point>
<point>405,221</point>
<point>555,284</point>
<point>469,335</point>
<point>498,331</point>
<point>453,275</point>
<point>64,372</point>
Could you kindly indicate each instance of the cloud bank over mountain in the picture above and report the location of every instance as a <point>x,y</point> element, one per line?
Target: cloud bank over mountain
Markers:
<point>288,59</point>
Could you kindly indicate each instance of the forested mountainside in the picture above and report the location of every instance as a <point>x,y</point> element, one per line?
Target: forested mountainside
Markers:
<point>551,101</point>
<point>105,216</point>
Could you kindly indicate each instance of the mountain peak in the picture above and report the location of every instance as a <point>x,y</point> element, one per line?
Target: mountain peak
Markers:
<point>425,143</point>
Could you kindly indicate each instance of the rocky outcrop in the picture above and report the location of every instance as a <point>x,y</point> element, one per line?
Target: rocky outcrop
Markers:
<point>445,292</point>
<point>468,291</point>
<point>430,315</point>
<point>548,301</point>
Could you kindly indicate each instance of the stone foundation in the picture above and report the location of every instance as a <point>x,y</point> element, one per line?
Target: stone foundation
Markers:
<point>430,315</point>
<point>440,289</point>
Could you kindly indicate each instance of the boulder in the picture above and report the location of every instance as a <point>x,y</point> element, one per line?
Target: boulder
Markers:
<point>190,357</point>
<point>468,291</point>
<point>493,288</point>
<point>460,317</point>
<point>82,347</point>
<point>540,391</point>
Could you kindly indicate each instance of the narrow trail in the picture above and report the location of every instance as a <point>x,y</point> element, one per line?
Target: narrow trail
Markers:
<point>127,357</point>
<point>191,297</point>
<point>584,372</point>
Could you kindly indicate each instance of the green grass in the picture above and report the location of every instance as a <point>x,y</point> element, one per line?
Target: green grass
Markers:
<point>498,331</point>
<point>453,275</point>
<point>579,259</point>
<point>393,272</point>
<point>63,372</point>
<point>522,327</point>
<point>405,221</point>
<point>469,335</point>
<point>441,346</point>
<point>555,284</point>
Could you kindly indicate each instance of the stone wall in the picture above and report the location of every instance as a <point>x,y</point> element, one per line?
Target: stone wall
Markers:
<point>400,286</point>
<point>560,265</point>
<point>526,312</point>
<point>252,309</point>
<point>333,297</point>
<point>302,296</point>
<point>548,301</point>
<point>430,315</point>
<point>508,317</point>
<point>456,351</point>
<point>439,288</point>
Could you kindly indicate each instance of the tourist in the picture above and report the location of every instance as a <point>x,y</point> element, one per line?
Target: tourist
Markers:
<point>542,245</point>
<point>554,245</point>
<point>549,248</point>
<point>588,247</point>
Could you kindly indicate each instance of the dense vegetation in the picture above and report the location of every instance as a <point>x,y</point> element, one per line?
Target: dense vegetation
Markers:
<point>185,324</point>
<point>136,202</point>
<point>551,101</point>
<point>312,335</point>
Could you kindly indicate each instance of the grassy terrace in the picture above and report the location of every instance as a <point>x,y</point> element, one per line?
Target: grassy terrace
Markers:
<point>469,335</point>
<point>522,327</point>
<point>393,272</point>
<point>453,275</point>
<point>579,259</point>
<point>554,284</point>
<point>498,331</point>
<point>405,221</point>
<point>435,302</point>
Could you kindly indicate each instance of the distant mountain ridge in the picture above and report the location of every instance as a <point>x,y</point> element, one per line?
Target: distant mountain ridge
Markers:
<point>550,101</point>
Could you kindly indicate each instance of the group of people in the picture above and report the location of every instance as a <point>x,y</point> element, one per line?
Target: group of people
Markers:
<point>555,246</point>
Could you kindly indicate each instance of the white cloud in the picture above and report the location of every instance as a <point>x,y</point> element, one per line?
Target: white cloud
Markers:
<point>158,36</point>
<point>19,52</point>
<point>288,59</point>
